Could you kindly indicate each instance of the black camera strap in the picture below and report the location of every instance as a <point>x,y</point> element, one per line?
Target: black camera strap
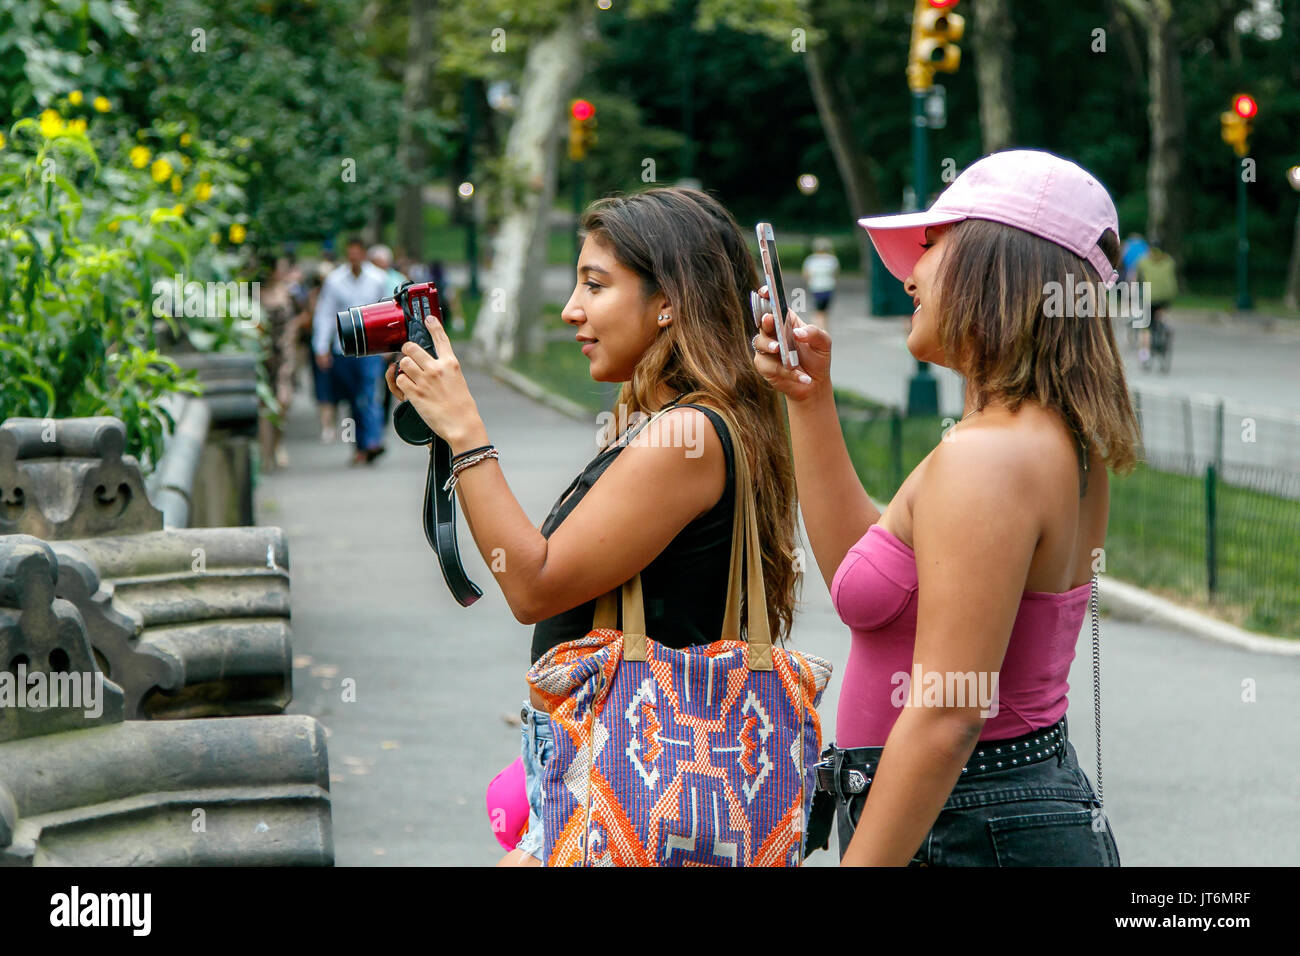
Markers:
<point>439,505</point>
<point>440,525</point>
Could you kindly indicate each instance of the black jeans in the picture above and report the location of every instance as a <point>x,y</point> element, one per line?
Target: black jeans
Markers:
<point>1041,814</point>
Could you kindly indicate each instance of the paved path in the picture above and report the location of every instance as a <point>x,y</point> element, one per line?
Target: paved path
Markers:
<point>1192,775</point>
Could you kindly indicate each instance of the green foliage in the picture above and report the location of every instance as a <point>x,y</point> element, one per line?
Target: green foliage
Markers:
<point>48,47</point>
<point>287,87</point>
<point>90,219</point>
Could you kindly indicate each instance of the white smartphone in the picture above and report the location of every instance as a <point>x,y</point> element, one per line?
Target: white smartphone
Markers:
<point>777,303</point>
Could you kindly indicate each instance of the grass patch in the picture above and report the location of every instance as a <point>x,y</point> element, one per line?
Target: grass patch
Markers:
<point>561,367</point>
<point>1157,539</point>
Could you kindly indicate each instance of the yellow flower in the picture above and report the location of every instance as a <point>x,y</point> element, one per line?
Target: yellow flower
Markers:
<point>2,140</point>
<point>161,170</point>
<point>176,184</point>
<point>77,126</point>
<point>203,192</point>
<point>51,124</point>
<point>158,215</point>
<point>101,104</point>
<point>114,226</point>
<point>75,97</point>
<point>139,156</point>
<point>185,139</point>
<point>179,208</point>
<point>214,237</point>
<point>238,233</point>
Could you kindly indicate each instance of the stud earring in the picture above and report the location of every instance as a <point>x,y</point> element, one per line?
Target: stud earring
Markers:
<point>664,318</point>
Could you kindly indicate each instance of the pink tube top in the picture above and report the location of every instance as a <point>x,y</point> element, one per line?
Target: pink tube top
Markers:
<point>875,593</point>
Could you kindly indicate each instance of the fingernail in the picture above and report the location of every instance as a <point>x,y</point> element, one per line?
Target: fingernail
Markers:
<point>772,346</point>
<point>804,378</point>
<point>801,333</point>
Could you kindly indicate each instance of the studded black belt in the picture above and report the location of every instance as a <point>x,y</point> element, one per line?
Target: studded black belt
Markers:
<point>854,767</point>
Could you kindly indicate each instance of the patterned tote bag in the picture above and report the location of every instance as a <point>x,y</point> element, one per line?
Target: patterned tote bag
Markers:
<point>694,757</point>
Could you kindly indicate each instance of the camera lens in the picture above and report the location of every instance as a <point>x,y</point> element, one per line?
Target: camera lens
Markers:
<point>352,332</point>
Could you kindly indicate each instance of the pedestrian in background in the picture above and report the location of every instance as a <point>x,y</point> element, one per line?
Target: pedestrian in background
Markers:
<point>820,271</point>
<point>381,257</point>
<point>275,329</point>
<point>321,380</point>
<point>355,379</point>
<point>1135,247</point>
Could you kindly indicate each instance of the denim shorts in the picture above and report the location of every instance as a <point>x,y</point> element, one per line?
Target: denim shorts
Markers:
<point>537,746</point>
<point>1042,814</point>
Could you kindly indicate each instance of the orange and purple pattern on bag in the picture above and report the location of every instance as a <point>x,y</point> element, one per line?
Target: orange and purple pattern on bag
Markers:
<point>686,759</point>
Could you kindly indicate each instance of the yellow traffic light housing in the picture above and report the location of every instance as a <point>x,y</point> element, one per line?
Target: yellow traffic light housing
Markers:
<point>1238,123</point>
<point>582,129</point>
<point>935,32</point>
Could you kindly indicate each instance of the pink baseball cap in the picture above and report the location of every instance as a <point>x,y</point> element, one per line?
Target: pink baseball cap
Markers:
<point>1031,189</point>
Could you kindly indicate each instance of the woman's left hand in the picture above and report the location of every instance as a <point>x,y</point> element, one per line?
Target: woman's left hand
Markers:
<point>436,386</point>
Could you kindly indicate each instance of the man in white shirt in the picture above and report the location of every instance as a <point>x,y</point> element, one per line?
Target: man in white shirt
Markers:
<point>355,282</point>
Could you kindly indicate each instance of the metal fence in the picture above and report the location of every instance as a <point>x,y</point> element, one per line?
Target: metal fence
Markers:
<point>1209,518</point>
<point>1188,432</point>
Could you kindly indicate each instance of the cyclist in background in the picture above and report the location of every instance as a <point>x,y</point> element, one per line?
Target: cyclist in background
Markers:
<point>1158,268</point>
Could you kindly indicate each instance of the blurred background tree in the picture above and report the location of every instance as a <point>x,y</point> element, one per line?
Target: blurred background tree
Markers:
<point>345,116</point>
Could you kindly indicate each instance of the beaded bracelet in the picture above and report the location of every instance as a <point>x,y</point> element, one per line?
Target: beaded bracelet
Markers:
<point>459,466</point>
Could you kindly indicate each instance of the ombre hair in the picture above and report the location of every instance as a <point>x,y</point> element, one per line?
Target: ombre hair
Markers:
<point>684,244</point>
<point>994,281</point>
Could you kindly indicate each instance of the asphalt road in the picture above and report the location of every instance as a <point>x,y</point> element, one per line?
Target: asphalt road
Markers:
<point>1192,774</point>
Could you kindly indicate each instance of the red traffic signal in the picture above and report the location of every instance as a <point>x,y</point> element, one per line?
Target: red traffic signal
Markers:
<point>1244,106</point>
<point>943,4</point>
<point>582,110</point>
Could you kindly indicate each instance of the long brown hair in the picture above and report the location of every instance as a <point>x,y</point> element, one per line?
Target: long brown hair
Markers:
<point>684,243</point>
<point>995,283</point>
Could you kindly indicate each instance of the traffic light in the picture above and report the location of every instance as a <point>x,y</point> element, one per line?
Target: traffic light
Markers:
<point>582,129</point>
<point>935,32</point>
<point>1238,123</point>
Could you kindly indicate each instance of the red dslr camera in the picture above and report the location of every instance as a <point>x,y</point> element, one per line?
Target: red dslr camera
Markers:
<point>385,326</point>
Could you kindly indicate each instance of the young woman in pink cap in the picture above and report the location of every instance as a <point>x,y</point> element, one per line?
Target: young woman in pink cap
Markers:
<point>965,597</point>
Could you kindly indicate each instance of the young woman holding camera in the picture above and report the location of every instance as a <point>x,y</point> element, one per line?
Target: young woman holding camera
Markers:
<point>982,562</point>
<point>661,304</point>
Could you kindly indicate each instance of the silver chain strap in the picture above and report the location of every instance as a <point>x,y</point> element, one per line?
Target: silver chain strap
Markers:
<point>1096,680</point>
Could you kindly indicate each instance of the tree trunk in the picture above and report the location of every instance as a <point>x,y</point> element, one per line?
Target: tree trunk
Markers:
<point>859,184</point>
<point>1168,124</point>
<point>991,41</point>
<point>411,149</point>
<point>512,293</point>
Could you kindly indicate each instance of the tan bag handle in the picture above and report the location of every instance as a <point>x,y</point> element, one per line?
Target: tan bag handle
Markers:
<point>744,526</point>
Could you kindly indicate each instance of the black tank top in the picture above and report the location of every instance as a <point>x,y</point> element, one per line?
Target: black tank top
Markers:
<point>684,588</point>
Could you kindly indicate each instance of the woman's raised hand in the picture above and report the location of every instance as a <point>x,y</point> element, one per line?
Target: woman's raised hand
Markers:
<point>813,346</point>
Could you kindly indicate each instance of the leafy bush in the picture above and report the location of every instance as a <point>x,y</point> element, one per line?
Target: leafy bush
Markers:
<point>84,242</point>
